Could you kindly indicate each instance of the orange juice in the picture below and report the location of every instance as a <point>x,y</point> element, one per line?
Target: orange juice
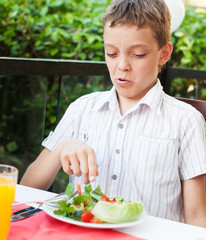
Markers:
<point>7,192</point>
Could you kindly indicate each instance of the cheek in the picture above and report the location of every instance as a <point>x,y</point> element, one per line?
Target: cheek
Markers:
<point>110,65</point>
<point>147,68</point>
<point>153,63</point>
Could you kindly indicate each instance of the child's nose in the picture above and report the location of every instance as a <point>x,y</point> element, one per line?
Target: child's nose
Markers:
<point>123,64</point>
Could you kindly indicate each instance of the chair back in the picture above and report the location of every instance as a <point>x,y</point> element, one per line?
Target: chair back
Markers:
<point>200,105</point>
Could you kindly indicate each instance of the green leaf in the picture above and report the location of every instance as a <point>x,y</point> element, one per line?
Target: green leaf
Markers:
<point>13,14</point>
<point>70,209</point>
<point>47,31</point>
<point>88,188</point>
<point>52,119</point>
<point>178,34</point>
<point>69,189</point>
<point>54,36</point>
<point>44,11</point>
<point>12,146</point>
<point>60,212</point>
<point>80,199</point>
<point>54,51</point>
<point>56,3</point>
<point>63,205</point>
<point>98,191</point>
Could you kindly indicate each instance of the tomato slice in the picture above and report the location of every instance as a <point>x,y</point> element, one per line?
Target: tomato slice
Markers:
<point>86,203</point>
<point>87,216</point>
<point>93,220</point>
<point>104,198</point>
<point>79,189</point>
<point>113,200</point>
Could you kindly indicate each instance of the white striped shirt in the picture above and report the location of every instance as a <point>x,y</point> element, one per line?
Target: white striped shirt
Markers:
<point>142,155</point>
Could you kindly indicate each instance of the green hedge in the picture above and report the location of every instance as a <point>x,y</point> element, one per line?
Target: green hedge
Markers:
<point>190,41</point>
<point>52,28</point>
<point>189,52</point>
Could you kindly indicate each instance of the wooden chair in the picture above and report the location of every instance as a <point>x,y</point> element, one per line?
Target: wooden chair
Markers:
<point>200,105</point>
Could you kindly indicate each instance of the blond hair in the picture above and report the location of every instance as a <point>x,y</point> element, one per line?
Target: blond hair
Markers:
<point>152,13</point>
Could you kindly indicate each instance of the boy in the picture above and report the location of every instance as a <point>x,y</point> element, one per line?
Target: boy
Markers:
<point>134,141</point>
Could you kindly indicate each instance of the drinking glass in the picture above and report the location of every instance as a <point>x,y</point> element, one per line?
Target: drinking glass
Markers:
<point>8,180</point>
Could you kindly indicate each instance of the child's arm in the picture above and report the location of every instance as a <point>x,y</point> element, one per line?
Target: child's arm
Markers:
<point>42,172</point>
<point>194,200</point>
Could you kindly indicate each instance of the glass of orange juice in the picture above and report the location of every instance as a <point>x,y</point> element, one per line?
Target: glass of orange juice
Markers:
<point>8,180</point>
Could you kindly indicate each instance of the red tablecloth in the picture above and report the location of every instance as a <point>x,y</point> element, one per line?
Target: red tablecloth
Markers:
<point>43,227</point>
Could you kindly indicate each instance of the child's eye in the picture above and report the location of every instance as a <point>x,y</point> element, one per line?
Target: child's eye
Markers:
<point>140,55</point>
<point>111,54</point>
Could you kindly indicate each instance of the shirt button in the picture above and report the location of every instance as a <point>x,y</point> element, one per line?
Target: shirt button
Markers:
<point>121,125</point>
<point>114,177</point>
<point>117,151</point>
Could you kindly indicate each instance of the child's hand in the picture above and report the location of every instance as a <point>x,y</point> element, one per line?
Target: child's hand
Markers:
<point>81,157</point>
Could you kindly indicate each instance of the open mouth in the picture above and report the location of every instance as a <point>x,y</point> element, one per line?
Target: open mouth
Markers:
<point>123,82</point>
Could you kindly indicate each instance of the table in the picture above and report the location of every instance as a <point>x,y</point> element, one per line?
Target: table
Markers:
<point>152,228</point>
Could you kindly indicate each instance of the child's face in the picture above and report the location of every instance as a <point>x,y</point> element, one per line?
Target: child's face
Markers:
<point>133,59</point>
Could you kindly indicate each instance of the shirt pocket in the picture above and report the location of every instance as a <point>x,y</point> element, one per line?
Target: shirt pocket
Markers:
<point>155,158</point>
<point>157,140</point>
<point>158,149</point>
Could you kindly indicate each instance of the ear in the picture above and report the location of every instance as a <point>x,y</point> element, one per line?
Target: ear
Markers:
<point>166,52</point>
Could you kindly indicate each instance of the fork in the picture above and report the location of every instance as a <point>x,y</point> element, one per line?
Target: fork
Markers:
<point>50,201</point>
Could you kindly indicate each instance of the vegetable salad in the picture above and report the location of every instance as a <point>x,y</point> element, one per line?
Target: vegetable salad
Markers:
<point>92,206</point>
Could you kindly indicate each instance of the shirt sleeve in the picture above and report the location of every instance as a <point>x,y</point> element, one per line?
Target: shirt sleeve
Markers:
<point>65,128</point>
<point>192,151</point>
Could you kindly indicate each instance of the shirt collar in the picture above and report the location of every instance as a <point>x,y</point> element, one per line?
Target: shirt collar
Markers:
<point>152,99</point>
<point>107,99</point>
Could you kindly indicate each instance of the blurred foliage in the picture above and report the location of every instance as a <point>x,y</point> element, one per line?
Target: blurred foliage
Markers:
<point>22,104</point>
<point>190,41</point>
<point>67,29</point>
<point>44,29</point>
<point>52,28</point>
<point>190,52</point>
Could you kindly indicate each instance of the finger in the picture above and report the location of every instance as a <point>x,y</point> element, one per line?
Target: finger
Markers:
<point>83,158</point>
<point>93,171</point>
<point>85,178</point>
<point>97,173</point>
<point>74,160</point>
<point>66,166</point>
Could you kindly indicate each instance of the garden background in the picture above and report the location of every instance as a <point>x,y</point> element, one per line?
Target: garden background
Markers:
<point>67,29</point>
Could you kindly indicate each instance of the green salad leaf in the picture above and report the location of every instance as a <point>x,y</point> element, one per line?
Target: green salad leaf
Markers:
<point>116,212</point>
<point>81,199</point>
<point>97,193</point>
<point>65,209</point>
<point>69,189</point>
<point>88,188</point>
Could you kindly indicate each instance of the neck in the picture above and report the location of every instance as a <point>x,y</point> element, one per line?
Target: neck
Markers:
<point>125,104</point>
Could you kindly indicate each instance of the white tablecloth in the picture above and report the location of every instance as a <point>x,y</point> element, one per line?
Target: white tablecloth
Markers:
<point>151,228</point>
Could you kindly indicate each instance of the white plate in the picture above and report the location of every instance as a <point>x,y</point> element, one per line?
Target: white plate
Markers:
<point>50,212</point>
